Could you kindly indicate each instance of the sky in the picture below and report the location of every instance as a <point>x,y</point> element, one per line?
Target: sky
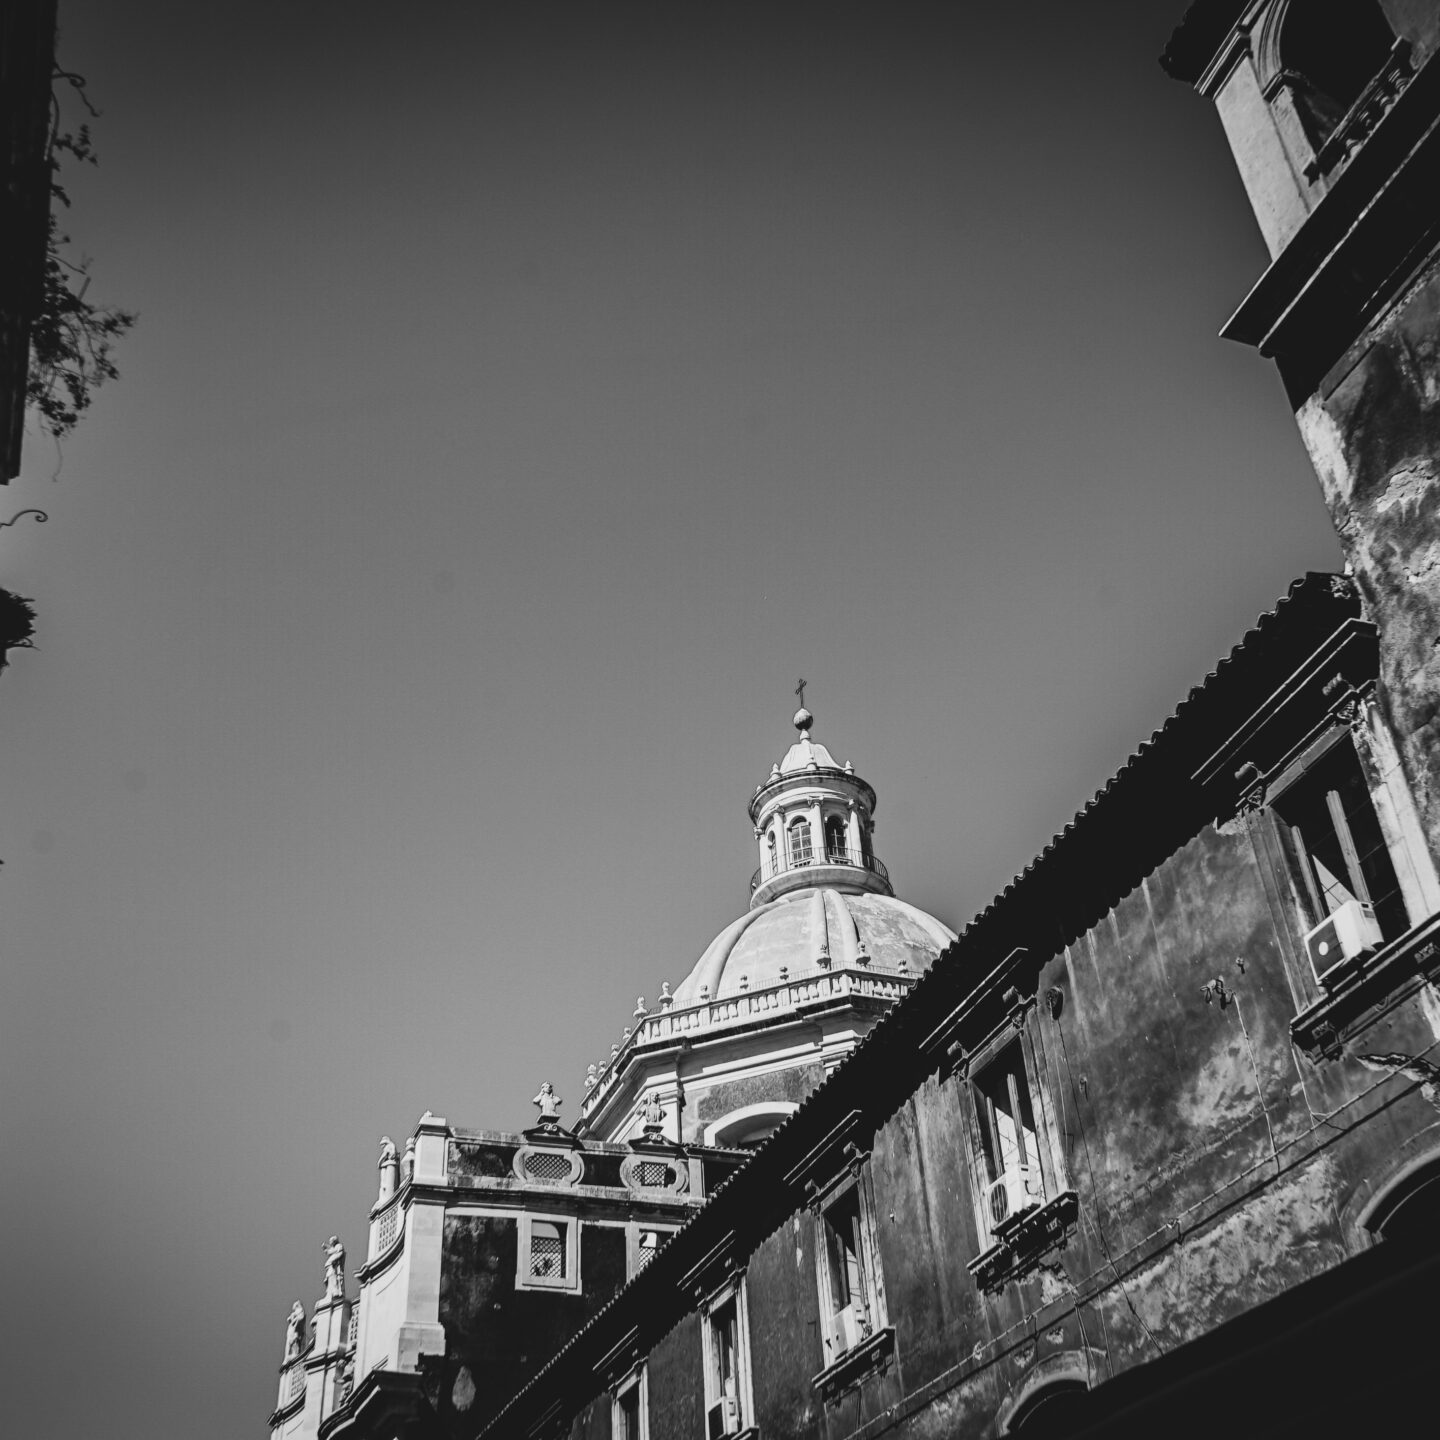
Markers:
<point>523,398</point>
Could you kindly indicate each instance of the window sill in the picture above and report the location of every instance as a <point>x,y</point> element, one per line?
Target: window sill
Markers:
<point>1368,981</point>
<point>1033,1235</point>
<point>869,1357</point>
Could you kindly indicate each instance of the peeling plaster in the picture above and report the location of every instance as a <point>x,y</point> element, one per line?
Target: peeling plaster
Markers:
<point>1222,1092</point>
<point>1054,1283</point>
<point>1407,488</point>
<point>1410,1067</point>
<point>1326,443</point>
<point>1279,1237</point>
<point>462,1397</point>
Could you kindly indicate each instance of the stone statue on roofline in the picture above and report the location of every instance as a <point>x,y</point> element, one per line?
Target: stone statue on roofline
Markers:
<point>387,1151</point>
<point>334,1268</point>
<point>653,1116</point>
<point>549,1103</point>
<point>295,1331</point>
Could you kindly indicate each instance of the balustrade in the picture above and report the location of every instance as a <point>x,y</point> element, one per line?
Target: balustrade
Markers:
<point>677,1023</point>
<point>780,864</point>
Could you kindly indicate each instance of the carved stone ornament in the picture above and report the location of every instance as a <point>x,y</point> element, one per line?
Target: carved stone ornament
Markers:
<point>387,1152</point>
<point>649,1171</point>
<point>544,1165</point>
<point>1252,802</point>
<point>870,1356</point>
<point>653,1115</point>
<point>1023,1247</point>
<point>549,1104</point>
<point>334,1268</point>
<point>295,1331</point>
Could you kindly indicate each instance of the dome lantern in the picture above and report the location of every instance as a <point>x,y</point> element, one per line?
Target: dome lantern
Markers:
<point>785,991</point>
<point>813,823</point>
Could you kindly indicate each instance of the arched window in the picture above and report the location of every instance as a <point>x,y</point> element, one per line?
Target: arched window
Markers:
<point>801,852</point>
<point>1331,50</point>
<point>835,838</point>
<point>772,854</point>
<point>1050,1397</point>
<point>747,1127</point>
<point>1409,1212</point>
<point>1050,1410</point>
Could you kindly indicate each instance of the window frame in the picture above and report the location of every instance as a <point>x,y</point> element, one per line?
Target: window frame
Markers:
<point>636,1384</point>
<point>634,1230</point>
<point>1393,810</point>
<point>1310,891</point>
<point>854,1192</point>
<point>1014,1041</point>
<point>567,1283</point>
<point>797,856</point>
<point>730,1295</point>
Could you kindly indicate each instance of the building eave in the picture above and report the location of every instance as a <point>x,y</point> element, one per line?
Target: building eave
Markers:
<point>1147,811</point>
<point>1202,31</point>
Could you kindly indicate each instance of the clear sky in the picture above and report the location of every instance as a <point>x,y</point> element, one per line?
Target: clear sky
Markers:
<point>523,398</point>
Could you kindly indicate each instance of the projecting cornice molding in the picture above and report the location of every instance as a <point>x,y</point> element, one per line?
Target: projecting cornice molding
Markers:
<point>1376,224</point>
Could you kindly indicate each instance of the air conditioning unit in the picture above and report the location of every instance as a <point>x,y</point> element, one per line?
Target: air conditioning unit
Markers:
<point>1015,1192</point>
<point>723,1418</point>
<point>849,1328</point>
<point>1347,932</point>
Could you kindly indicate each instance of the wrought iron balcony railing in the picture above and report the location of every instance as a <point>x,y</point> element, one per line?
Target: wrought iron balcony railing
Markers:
<point>830,856</point>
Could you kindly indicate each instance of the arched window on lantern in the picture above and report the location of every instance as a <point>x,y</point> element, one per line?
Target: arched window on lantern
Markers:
<point>772,854</point>
<point>801,851</point>
<point>835,848</point>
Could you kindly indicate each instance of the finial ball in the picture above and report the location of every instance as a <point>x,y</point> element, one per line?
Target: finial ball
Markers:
<point>803,719</point>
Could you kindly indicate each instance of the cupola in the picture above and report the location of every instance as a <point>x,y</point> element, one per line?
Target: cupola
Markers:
<point>814,823</point>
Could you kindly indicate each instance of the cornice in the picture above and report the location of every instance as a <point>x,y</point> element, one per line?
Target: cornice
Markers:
<point>1377,222</point>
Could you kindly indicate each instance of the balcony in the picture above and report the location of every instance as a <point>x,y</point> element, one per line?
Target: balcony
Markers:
<point>786,865</point>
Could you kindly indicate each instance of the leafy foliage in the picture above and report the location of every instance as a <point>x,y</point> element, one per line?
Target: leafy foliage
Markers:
<point>17,624</point>
<point>70,337</point>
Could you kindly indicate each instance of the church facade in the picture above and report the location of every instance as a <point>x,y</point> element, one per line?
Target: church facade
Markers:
<point>488,1252</point>
<point>1155,1141</point>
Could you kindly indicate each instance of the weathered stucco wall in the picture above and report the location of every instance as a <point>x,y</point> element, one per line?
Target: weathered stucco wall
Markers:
<point>497,1336</point>
<point>704,1106</point>
<point>1208,1174</point>
<point>781,1286</point>
<point>676,1380</point>
<point>1374,440</point>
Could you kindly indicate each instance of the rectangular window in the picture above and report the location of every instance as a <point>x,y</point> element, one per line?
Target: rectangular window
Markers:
<point>1334,845</point>
<point>548,1254</point>
<point>547,1250</point>
<point>1007,1140</point>
<point>727,1381</point>
<point>643,1244</point>
<point>628,1418</point>
<point>850,1301</point>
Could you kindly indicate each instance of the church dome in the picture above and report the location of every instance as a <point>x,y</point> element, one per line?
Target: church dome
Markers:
<point>781,995</point>
<point>806,933</point>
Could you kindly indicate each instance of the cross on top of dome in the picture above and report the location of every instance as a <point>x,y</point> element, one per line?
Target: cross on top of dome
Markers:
<point>803,718</point>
